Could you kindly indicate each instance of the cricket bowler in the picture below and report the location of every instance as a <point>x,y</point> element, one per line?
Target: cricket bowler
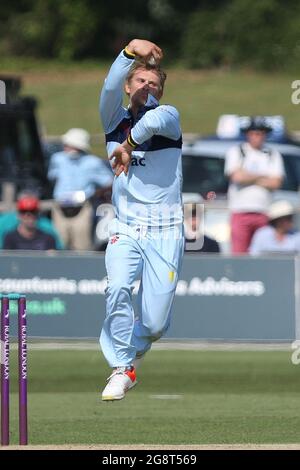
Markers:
<point>146,241</point>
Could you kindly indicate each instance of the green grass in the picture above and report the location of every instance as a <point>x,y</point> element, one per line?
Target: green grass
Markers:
<point>224,397</point>
<point>68,94</point>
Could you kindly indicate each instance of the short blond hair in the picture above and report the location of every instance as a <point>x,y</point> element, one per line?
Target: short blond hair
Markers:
<point>142,64</point>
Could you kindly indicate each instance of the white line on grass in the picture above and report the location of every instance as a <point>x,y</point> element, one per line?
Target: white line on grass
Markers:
<point>166,397</point>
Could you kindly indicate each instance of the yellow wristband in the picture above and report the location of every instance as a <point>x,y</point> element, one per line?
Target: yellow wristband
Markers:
<point>131,142</point>
<point>128,54</point>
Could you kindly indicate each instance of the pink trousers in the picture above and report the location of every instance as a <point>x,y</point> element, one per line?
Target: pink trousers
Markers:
<point>243,226</point>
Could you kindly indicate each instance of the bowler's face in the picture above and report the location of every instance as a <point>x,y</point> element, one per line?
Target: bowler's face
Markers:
<point>142,83</point>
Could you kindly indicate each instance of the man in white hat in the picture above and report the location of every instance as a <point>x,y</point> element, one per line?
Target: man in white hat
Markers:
<point>76,174</point>
<point>279,235</point>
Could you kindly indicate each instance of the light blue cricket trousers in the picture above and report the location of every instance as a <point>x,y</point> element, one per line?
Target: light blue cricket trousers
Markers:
<point>154,258</point>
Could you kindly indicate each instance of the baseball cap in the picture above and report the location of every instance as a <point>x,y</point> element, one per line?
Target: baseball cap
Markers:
<point>28,203</point>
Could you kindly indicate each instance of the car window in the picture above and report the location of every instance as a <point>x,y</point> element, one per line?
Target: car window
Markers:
<point>291,180</point>
<point>203,174</point>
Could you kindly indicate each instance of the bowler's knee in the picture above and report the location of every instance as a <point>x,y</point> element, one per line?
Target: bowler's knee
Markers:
<point>156,331</point>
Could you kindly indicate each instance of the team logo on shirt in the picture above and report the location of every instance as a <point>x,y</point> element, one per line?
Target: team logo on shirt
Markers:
<point>114,239</point>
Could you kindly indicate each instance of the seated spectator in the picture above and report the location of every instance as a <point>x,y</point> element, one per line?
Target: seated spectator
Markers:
<point>196,240</point>
<point>27,235</point>
<point>279,235</point>
<point>9,221</point>
<point>78,177</point>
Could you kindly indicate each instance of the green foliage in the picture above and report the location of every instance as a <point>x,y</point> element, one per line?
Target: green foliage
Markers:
<point>202,39</point>
<point>79,28</point>
<point>52,28</point>
<point>264,34</point>
<point>257,35</point>
<point>33,31</point>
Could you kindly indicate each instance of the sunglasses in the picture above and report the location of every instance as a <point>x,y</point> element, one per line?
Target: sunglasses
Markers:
<point>32,212</point>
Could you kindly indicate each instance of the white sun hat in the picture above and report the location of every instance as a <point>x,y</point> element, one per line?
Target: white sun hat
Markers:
<point>280,209</point>
<point>77,138</point>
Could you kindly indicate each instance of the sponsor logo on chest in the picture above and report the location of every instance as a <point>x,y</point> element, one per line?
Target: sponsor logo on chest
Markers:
<point>138,161</point>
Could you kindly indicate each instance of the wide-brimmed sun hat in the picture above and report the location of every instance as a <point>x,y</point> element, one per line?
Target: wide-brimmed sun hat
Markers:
<point>280,209</point>
<point>77,138</point>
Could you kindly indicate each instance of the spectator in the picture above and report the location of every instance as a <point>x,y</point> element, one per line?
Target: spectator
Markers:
<point>279,235</point>
<point>254,171</point>
<point>196,240</point>
<point>78,176</point>
<point>27,236</point>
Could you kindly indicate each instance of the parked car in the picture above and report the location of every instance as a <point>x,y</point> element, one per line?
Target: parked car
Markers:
<point>203,174</point>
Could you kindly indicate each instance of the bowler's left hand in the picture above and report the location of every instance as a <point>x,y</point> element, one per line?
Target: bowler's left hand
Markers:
<point>122,158</point>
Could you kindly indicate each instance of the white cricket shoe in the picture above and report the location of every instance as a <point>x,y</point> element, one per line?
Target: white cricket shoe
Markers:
<point>119,382</point>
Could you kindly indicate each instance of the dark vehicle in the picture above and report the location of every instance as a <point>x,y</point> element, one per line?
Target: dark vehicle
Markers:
<point>21,156</point>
